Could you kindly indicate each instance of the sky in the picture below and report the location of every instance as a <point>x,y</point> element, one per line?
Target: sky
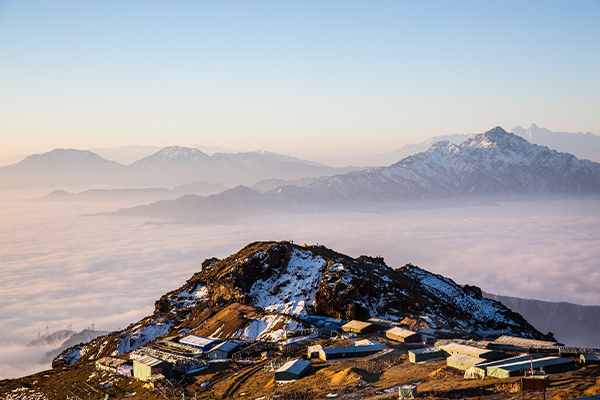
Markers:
<point>307,79</point>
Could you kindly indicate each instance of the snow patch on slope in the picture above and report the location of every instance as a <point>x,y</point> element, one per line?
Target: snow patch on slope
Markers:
<point>480,309</point>
<point>292,289</point>
<point>139,337</point>
<point>270,327</point>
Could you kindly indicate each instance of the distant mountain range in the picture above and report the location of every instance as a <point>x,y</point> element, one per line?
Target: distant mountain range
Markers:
<point>134,195</point>
<point>496,163</point>
<point>571,324</point>
<point>581,145</point>
<point>170,166</point>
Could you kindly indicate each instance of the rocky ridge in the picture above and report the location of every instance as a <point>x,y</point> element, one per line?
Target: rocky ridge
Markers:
<point>267,287</point>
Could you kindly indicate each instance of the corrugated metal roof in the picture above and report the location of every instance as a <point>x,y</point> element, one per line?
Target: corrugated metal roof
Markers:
<point>367,342</point>
<point>425,350</point>
<point>401,332</point>
<point>353,349</point>
<point>149,361</point>
<point>511,360</point>
<point>537,363</point>
<point>225,346</point>
<point>522,342</point>
<point>467,359</point>
<point>461,348</point>
<point>355,324</point>
<point>294,366</point>
<point>198,341</point>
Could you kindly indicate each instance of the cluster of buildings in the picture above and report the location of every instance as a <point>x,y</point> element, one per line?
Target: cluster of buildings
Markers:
<point>504,357</point>
<point>170,355</point>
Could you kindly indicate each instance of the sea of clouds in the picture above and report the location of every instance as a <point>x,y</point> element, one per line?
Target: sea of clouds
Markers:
<point>58,268</point>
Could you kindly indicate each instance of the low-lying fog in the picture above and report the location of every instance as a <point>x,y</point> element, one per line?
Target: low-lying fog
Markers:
<point>59,269</point>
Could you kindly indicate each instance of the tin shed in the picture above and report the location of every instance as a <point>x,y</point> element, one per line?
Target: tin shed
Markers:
<point>418,355</point>
<point>522,342</point>
<point>146,366</point>
<point>202,343</point>
<point>360,327</point>
<point>403,335</point>
<point>294,369</point>
<point>407,391</point>
<point>223,351</point>
<point>332,353</point>
<point>463,361</point>
<point>455,348</point>
<point>548,364</point>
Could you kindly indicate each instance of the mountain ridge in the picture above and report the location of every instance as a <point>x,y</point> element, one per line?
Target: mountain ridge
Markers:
<point>495,163</point>
<point>268,287</point>
<point>170,166</point>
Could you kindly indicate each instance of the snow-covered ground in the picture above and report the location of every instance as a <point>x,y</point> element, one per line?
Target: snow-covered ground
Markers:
<point>293,289</point>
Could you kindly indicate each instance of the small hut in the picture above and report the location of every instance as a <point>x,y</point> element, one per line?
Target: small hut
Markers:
<point>291,370</point>
<point>146,366</point>
<point>463,362</point>
<point>427,353</point>
<point>199,342</point>
<point>223,351</point>
<point>332,353</point>
<point>403,335</point>
<point>455,348</point>
<point>407,392</point>
<point>360,327</point>
<point>313,351</point>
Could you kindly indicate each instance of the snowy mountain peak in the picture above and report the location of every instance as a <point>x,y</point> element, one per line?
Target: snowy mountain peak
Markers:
<point>444,145</point>
<point>178,152</point>
<point>496,137</point>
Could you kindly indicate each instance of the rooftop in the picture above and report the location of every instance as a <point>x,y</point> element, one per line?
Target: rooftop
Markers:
<point>425,350</point>
<point>401,332</point>
<point>355,324</point>
<point>198,341</point>
<point>149,361</point>
<point>461,348</point>
<point>522,342</point>
<point>294,366</point>
<point>225,346</point>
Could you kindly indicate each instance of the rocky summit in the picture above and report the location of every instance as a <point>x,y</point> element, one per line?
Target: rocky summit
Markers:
<point>269,287</point>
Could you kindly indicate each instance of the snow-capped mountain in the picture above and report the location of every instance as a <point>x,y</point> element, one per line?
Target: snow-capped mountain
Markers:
<point>582,145</point>
<point>267,287</point>
<point>493,163</point>
<point>171,166</point>
<point>496,163</point>
<point>179,165</point>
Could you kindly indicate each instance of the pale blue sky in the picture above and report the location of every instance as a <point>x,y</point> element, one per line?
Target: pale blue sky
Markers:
<point>304,78</point>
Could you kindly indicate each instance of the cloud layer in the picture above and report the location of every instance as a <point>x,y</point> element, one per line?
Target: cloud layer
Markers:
<point>57,268</point>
